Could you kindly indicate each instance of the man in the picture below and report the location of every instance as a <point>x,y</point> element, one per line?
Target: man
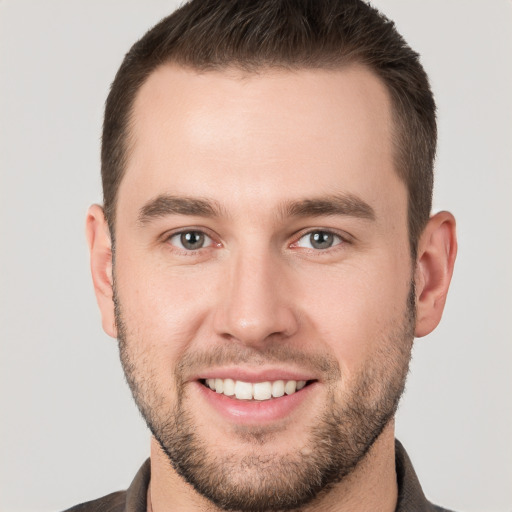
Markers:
<point>265,254</point>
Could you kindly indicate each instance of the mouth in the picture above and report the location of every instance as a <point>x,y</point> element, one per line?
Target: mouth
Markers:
<point>249,398</point>
<point>255,391</point>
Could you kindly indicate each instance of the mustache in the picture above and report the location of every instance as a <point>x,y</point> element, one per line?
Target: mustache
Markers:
<point>236,354</point>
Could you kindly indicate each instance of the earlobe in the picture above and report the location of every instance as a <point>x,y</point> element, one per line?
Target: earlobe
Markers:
<point>100,249</point>
<point>437,249</point>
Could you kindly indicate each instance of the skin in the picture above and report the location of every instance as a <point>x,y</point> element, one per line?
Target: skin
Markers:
<point>253,143</point>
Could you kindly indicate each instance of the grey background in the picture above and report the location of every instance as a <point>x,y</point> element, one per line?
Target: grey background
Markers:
<point>68,429</point>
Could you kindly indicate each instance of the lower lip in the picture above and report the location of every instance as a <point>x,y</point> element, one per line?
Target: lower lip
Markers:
<point>247,412</point>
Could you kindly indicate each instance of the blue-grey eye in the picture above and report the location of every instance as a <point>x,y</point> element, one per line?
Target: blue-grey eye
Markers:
<point>319,240</point>
<point>190,240</point>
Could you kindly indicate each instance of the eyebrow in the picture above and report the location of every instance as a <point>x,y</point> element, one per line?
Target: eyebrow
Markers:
<point>165,204</point>
<point>337,204</point>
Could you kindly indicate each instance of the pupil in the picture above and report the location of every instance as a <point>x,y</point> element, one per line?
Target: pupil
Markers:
<point>192,240</point>
<point>321,240</point>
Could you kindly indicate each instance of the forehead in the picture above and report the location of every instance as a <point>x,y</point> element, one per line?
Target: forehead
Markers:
<point>259,137</point>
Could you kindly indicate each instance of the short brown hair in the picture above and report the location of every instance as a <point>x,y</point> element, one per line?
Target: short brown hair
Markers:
<point>289,34</point>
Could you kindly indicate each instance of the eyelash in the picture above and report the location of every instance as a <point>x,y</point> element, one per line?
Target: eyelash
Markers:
<point>343,239</point>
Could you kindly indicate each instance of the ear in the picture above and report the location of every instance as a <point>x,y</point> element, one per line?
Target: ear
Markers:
<point>100,248</point>
<point>437,249</point>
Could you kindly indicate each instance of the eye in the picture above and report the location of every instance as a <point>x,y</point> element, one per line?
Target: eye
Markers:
<point>318,240</point>
<point>190,240</point>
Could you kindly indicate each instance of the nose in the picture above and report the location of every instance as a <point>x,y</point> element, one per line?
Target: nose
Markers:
<point>256,303</point>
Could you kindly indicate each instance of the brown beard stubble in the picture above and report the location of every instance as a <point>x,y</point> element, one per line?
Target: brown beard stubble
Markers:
<point>339,440</point>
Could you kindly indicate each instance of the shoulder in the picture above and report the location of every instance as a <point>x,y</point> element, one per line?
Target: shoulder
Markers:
<point>114,502</point>
<point>133,499</point>
<point>436,508</point>
<point>410,494</point>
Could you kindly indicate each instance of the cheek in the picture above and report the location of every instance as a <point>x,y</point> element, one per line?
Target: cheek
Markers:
<point>163,308</point>
<point>357,310</point>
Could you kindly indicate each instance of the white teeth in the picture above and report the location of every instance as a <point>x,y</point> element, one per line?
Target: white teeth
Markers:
<point>243,390</point>
<point>290,387</point>
<point>229,387</point>
<point>257,390</point>
<point>278,388</point>
<point>219,385</point>
<point>262,390</point>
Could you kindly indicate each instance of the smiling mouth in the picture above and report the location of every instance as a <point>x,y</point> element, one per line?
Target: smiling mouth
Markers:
<point>267,390</point>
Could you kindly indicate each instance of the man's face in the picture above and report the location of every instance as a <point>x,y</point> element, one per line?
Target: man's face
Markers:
<point>261,243</point>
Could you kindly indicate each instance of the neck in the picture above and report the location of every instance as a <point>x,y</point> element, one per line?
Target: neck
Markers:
<point>371,485</point>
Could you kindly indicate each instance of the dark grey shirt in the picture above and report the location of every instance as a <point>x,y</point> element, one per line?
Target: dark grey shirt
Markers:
<point>410,494</point>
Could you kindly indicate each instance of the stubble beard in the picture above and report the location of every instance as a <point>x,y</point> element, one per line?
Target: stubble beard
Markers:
<point>339,439</point>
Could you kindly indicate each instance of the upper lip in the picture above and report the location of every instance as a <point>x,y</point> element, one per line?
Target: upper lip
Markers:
<point>254,375</point>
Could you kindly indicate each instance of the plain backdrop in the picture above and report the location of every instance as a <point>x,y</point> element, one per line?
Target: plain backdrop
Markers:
<point>68,429</point>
